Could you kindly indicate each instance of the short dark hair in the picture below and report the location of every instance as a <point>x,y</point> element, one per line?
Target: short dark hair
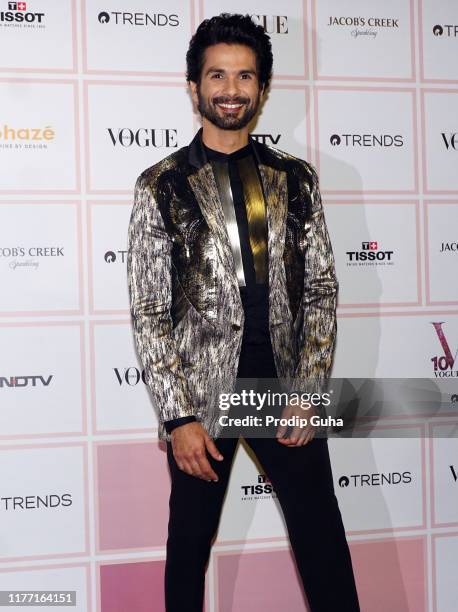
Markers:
<point>230,29</point>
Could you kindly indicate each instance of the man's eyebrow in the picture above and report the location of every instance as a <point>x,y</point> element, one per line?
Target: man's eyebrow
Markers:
<point>243,71</point>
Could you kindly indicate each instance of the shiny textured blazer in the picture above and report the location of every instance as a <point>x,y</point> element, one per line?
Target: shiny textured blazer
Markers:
<point>185,302</point>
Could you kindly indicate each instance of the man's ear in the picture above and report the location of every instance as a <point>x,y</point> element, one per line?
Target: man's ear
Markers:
<point>193,88</point>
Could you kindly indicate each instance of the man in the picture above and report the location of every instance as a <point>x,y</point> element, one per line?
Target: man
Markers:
<point>231,274</point>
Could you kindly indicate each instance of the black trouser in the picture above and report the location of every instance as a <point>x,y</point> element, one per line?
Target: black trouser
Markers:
<point>302,479</point>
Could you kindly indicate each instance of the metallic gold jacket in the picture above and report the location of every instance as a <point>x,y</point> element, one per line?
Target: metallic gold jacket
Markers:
<point>185,302</point>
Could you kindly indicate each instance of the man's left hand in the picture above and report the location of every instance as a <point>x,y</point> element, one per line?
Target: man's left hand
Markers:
<point>298,436</point>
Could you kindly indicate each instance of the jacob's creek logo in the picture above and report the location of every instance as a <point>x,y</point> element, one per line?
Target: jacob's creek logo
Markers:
<point>376,479</point>
<point>28,257</point>
<point>130,376</point>
<point>370,255</point>
<point>25,381</point>
<point>448,247</point>
<point>444,365</point>
<point>450,140</point>
<point>159,138</point>
<point>26,137</point>
<point>367,140</point>
<point>115,256</point>
<point>448,30</point>
<point>363,26</point>
<point>139,19</point>
<point>18,15</point>
<point>263,489</point>
<point>272,24</point>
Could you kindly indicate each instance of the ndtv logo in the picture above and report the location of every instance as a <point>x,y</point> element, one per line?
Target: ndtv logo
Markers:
<point>25,381</point>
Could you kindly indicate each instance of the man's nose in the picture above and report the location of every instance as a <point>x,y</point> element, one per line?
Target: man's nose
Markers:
<point>231,86</point>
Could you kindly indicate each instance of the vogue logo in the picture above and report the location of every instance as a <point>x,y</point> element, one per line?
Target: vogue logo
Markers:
<point>139,19</point>
<point>112,256</point>
<point>144,137</point>
<point>366,140</point>
<point>454,474</point>
<point>369,255</point>
<point>17,15</point>
<point>25,381</point>
<point>445,30</point>
<point>450,141</point>
<point>377,479</point>
<point>272,24</point>
<point>443,364</point>
<point>130,376</point>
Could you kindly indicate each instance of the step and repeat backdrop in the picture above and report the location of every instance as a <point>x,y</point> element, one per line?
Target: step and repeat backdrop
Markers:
<point>92,93</point>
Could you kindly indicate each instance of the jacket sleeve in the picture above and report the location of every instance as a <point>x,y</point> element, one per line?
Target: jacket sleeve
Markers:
<point>149,276</point>
<point>316,339</point>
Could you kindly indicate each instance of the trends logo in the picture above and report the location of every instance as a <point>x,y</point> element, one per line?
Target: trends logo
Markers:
<point>363,26</point>
<point>131,376</point>
<point>369,255</point>
<point>272,24</point>
<point>450,141</point>
<point>267,138</point>
<point>450,31</point>
<point>144,137</point>
<point>444,364</point>
<point>367,140</point>
<point>376,479</point>
<point>112,256</point>
<point>18,16</point>
<point>25,381</point>
<point>138,19</point>
<point>263,489</point>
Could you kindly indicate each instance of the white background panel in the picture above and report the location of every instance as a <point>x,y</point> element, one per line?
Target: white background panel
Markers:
<point>366,48</point>
<point>438,49</point>
<point>442,251</point>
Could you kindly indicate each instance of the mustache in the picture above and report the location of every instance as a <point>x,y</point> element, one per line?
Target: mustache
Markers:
<point>227,100</point>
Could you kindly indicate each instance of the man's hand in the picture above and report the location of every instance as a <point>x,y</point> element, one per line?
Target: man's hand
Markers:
<point>189,442</point>
<point>299,436</point>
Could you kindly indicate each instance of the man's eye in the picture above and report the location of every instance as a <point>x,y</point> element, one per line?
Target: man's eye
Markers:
<point>246,76</point>
<point>217,75</point>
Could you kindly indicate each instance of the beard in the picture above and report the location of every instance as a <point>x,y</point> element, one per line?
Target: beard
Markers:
<point>228,120</point>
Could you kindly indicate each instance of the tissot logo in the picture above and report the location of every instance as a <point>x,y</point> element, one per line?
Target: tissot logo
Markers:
<point>18,16</point>
<point>139,19</point>
<point>263,489</point>
<point>376,479</point>
<point>444,365</point>
<point>369,255</point>
<point>35,502</point>
<point>446,30</point>
<point>367,140</point>
<point>272,24</point>
<point>450,140</point>
<point>26,381</point>
<point>166,138</point>
<point>130,376</point>
<point>112,256</point>
<point>267,138</point>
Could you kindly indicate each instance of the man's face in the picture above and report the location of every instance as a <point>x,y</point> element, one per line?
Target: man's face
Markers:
<point>228,94</point>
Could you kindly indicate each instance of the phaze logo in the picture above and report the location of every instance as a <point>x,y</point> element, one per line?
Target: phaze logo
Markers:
<point>443,364</point>
<point>367,140</point>
<point>369,255</point>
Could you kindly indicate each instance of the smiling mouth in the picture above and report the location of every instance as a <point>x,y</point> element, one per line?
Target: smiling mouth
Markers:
<point>230,107</point>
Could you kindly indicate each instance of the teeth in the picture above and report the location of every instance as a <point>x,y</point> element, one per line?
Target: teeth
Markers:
<point>230,106</point>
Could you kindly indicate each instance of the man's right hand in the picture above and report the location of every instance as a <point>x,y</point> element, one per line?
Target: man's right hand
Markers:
<point>189,442</point>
